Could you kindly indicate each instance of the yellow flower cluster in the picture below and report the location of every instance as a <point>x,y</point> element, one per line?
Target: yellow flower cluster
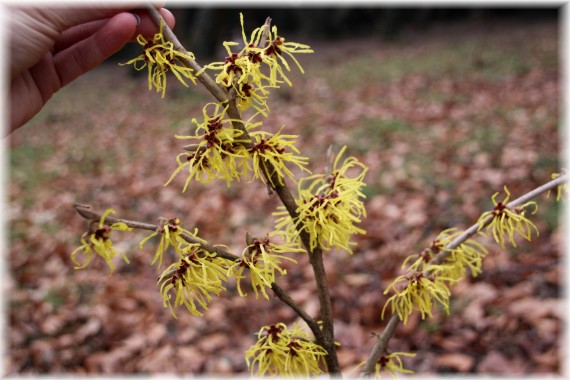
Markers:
<point>193,279</point>
<point>218,152</point>
<point>170,233</point>
<point>426,282</point>
<point>100,242</point>
<point>195,276</point>
<point>468,254</point>
<point>243,70</point>
<point>283,352</point>
<point>508,221</point>
<point>263,259</point>
<point>419,292</point>
<point>221,151</point>
<point>329,207</point>
<point>160,57</point>
<point>275,149</point>
<point>392,364</point>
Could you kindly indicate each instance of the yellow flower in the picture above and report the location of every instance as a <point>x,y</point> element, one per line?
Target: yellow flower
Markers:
<point>192,280</point>
<point>561,190</point>
<point>263,258</point>
<point>239,67</point>
<point>160,57</point>
<point>243,67</point>
<point>170,235</point>
<point>252,46</point>
<point>244,70</point>
<point>468,254</point>
<point>281,352</point>
<point>276,149</point>
<point>252,95</point>
<point>392,364</point>
<point>236,68</point>
<point>508,221</point>
<point>100,242</point>
<point>329,207</point>
<point>273,56</point>
<point>419,293</point>
<point>219,152</point>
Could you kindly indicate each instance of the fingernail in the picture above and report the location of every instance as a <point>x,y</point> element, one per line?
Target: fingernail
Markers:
<point>138,18</point>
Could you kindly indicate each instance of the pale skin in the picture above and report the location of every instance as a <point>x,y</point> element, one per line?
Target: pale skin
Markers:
<point>50,47</point>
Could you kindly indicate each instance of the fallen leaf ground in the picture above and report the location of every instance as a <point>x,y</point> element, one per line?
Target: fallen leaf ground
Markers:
<point>443,118</point>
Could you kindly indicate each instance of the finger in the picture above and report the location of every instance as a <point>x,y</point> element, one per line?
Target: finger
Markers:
<point>88,53</point>
<point>30,91</point>
<point>68,18</point>
<point>77,33</point>
<point>145,26</point>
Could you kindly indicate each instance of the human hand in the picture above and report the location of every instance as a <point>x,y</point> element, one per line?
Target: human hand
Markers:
<point>51,47</point>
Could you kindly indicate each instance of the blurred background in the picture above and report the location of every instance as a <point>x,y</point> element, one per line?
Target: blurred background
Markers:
<point>204,28</point>
<point>444,105</point>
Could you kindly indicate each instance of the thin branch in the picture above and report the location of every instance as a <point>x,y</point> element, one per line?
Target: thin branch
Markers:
<point>383,339</point>
<point>538,191</point>
<point>265,34</point>
<point>380,346</point>
<point>515,203</point>
<point>284,297</point>
<point>219,92</point>
<point>86,212</point>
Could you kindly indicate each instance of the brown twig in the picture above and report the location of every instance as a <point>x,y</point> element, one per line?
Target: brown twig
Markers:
<point>382,343</point>
<point>220,93</point>
<point>284,297</point>
<point>86,212</point>
<point>93,216</point>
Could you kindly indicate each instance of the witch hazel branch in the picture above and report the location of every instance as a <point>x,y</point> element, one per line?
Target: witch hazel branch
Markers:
<point>323,214</point>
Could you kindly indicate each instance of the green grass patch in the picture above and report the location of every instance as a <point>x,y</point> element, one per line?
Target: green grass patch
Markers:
<point>378,134</point>
<point>483,57</point>
<point>26,159</point>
